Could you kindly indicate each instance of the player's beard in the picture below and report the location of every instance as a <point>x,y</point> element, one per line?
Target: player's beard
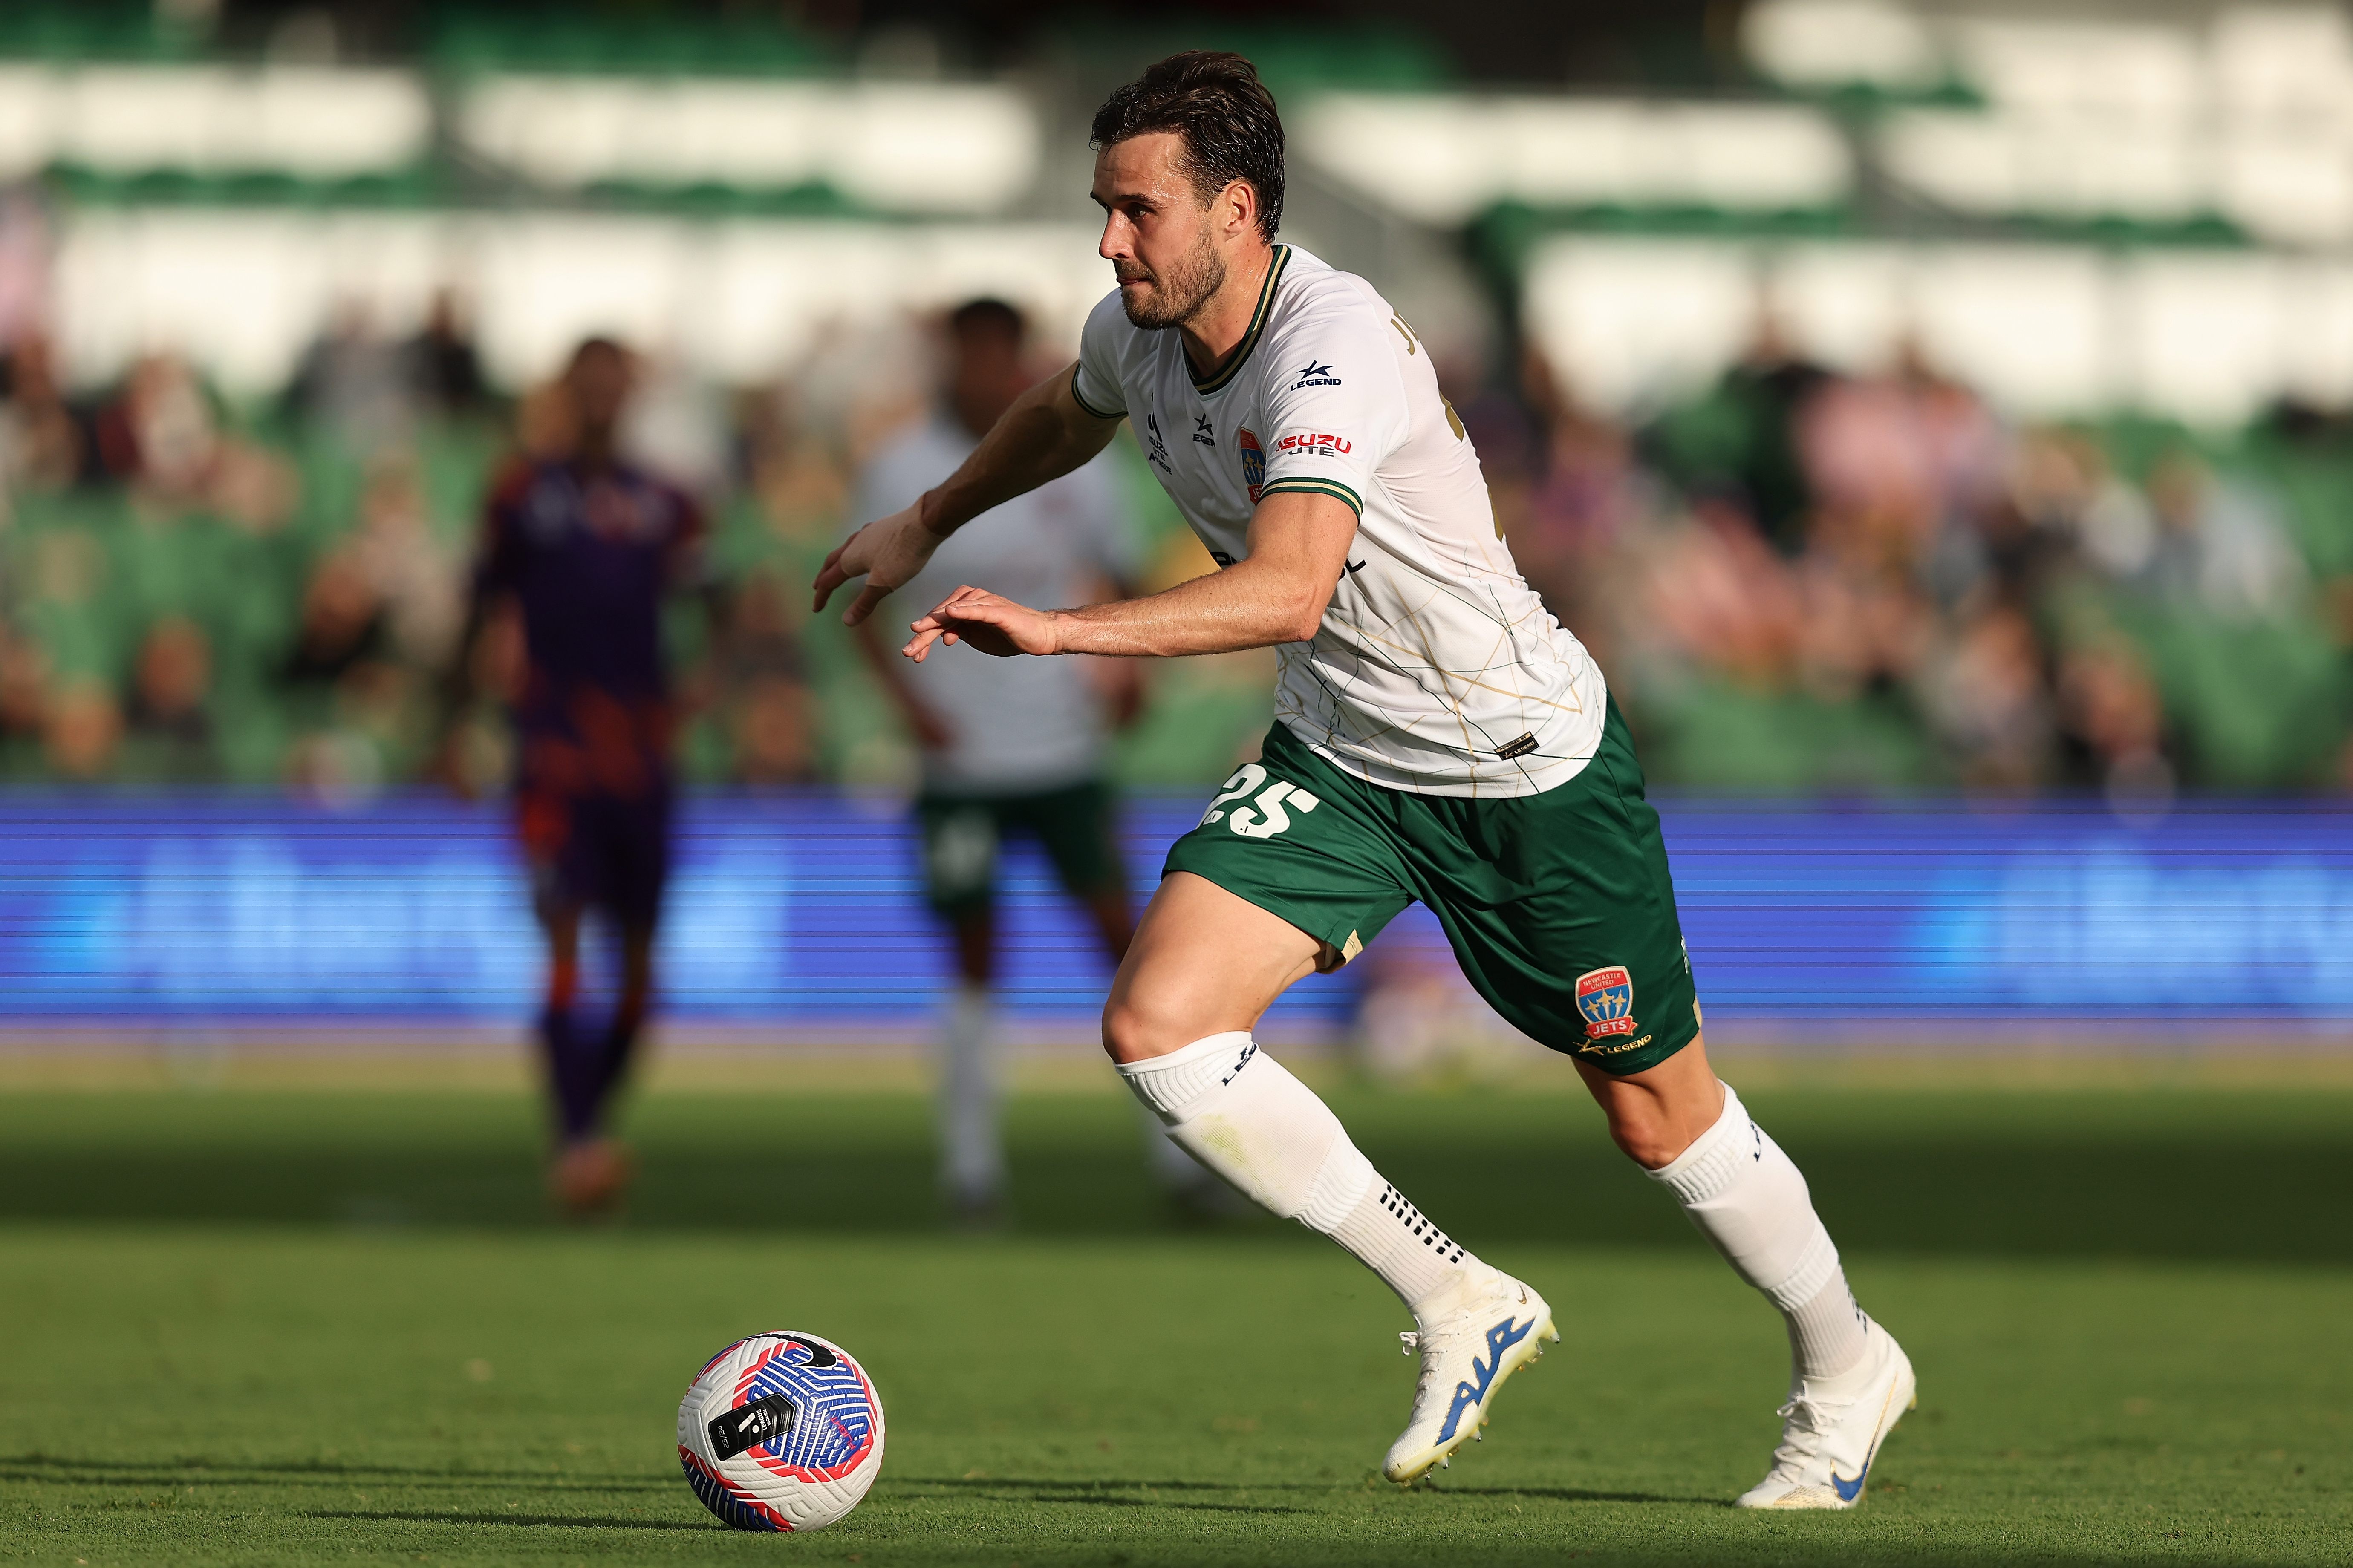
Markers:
<point>1177,294</point>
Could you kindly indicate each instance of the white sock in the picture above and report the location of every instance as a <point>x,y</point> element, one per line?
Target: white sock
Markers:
<point>1750,1199</point>
<point>1825,1334</point>
<point>972,1152</point>
<point>1242,1114</point>
<point>1171,1169</point>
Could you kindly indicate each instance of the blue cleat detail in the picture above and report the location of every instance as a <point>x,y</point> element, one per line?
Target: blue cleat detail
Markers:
<point>1500,1338</point>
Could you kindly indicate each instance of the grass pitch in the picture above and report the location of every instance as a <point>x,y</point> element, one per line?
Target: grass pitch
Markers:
<point>282,1327</point>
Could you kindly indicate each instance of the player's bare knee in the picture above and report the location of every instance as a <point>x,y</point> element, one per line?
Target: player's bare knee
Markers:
<point>1134,1030</point>
<point>1650,1139</point>
<point>1127,1037</point>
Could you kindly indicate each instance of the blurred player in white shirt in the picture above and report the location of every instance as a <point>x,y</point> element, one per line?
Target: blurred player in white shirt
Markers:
<point>1018,755</point>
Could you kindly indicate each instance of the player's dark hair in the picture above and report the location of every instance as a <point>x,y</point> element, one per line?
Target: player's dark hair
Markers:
<point>1224,114</point>
<point>597,345</point>
<point>991,313</point>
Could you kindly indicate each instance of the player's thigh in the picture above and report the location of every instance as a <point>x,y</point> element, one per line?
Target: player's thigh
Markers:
<point>1289,870</point>
<point>1585,953</point>
<point>1205,961</point>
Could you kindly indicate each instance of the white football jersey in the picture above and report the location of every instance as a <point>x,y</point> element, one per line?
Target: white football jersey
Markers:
<point>1437,667</point>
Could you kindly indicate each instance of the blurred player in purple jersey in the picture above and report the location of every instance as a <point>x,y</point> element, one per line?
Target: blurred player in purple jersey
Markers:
<point>584,547</point>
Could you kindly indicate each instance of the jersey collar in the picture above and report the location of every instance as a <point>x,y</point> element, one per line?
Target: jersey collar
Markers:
<point>1218,378</point>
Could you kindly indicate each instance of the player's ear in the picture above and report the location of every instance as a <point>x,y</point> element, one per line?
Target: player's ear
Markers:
<point>1238,206</point>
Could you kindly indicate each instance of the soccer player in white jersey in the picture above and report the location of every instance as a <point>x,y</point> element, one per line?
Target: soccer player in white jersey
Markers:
<point>1438,737</point>
<point>1008,750</point>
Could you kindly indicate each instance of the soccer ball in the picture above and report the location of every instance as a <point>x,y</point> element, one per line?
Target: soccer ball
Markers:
<point>781,1431</point>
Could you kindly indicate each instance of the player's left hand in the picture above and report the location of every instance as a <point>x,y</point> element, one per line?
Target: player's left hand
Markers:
<point>887,553</point>
<point>993,625</point>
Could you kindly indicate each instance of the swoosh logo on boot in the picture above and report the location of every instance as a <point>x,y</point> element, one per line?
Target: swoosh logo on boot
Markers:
<point>1850,1490</point>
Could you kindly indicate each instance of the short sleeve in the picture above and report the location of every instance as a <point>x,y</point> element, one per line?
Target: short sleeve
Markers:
<point>1335,404</point>
<point>1097,386</point>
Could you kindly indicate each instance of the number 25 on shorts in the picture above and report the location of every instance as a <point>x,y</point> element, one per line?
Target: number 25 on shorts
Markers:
<point>1266,815</point>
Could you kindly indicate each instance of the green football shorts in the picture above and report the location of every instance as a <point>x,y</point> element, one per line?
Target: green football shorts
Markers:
<point>1559,905</point>
<point>961,833</point>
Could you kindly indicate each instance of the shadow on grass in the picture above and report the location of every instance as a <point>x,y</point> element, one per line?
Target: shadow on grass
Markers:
<point>1099,1493</point>
<point>1041,1484</point>
<point>1578,1494</point>
<point>1043,1489</point>
<point>524,1521</point>
<point>58,1470</point>
<point>2118,1175</point>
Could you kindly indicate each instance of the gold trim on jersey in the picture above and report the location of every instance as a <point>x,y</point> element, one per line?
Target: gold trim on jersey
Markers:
<point>1300,485</point>
<point>1220,378</point>
<point>1081,398</point>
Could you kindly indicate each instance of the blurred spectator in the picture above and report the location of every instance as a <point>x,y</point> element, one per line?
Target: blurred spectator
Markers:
<point>802,485</point>
<point>42,445</point>
<point>1740,440</point>
<point>252,487</point>
<point>2221,545</point>
<point>352,384</point>
<point>417,580</point>
<point>25,242</point>
<point>1866,621</point>
<point>1910,453</point>
<point>344,686</point>
<point>678,427</point>
<point>160,436</point>
<point>170,725</point>
<point>333,768</point>
<point>2109,707</point>
<point>1722,598</point>
<point>23,695</point>
<point>768,705</point>
<point>442,369</point>
<point>341,624</point>
<point>1767,391</point>
<point>1986,696</point>
<point>158,433</point>
<point>2062,483</point>
<point>81,729</point>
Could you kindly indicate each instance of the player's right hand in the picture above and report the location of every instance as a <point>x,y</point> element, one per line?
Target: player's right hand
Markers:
<point>886,553</point>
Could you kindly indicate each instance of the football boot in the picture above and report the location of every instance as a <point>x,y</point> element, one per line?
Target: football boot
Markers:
<point>1487,1330</point>
<point>1831,1429</point>
<point>589,1177</point>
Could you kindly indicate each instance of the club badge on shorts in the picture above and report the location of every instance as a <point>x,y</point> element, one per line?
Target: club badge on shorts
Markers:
<point>1605,997</point>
